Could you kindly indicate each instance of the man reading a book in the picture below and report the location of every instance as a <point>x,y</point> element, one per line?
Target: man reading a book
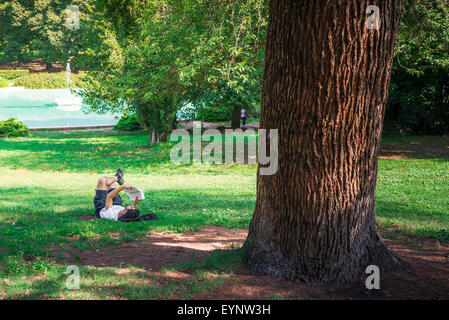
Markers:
<point>107,201</point>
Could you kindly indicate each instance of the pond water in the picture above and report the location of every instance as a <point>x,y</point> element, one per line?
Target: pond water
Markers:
<point>36,108</point>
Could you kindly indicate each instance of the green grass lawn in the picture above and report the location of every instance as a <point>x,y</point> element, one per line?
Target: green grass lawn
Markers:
<point>48,179</point>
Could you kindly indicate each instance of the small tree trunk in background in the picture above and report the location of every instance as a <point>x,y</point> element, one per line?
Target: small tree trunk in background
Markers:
<point>325,87</point>
<point>163,137</point>
<point>151,135</point>
<point>236,117</point>
<point>155,137</point>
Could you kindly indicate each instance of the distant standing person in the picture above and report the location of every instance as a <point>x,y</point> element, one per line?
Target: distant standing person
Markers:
<point>243,116</point>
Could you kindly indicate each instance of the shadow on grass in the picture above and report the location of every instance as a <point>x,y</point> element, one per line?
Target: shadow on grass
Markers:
<point>403,218</point>
<point>100,284</point>
<point>183,277</point>
<point>47,288</point>
<point>415,147</point>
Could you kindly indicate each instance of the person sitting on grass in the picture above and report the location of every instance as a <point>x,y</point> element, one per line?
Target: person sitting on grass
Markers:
<point>107,201</point>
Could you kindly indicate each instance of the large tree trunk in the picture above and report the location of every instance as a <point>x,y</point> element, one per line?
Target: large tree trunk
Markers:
<point>325,88</point>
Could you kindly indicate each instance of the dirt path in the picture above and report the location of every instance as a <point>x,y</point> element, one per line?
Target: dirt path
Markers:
<point>161,249</point>
<point>430,281</point>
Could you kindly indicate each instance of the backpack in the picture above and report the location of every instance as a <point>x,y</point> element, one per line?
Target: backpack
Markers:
<point>145,217</point>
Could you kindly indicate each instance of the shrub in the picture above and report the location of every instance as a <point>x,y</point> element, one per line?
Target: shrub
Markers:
<point>46,80</point>
<point>13,128</point>
<point>4,83</point>
<point>14,74</point>
<point>216,113</point>
<point>128,123</point>
<point>42,81</point>
<point>419,104</point>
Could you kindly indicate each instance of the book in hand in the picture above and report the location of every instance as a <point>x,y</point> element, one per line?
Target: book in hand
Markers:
<point>135,193</point>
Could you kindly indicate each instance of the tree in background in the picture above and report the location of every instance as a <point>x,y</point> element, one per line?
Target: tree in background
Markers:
<point>228,61</point>
<point>37,29</point>
<point>163,54</point>
<point>423,38</point>
<point>419,95</point>
<point>325,88</point>
<point>132,66</point>
<point>218,58</point>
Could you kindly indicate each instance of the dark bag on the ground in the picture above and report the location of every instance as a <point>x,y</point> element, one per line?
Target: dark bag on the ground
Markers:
<point>145,217</point>
<point>131,214</point>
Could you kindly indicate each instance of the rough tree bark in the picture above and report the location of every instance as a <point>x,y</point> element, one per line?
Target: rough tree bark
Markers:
<point>325,88</point>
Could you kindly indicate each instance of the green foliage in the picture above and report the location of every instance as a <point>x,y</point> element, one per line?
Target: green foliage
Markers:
<point>423,38</point>
<point>4,83</point>
<point>128,123</point>
<point>419,104</point>
<point>216,113</point>
<point>232,73</point>
<point>49,81</point>
<point>419,94</point>
<point>13,128</point>
<point>16,265</point>
<point>160,117</point>
<point>13,74</point>
<point>159,55</point>
<point>37,29</point>
<point>41,81</point>
<point>153,57</point>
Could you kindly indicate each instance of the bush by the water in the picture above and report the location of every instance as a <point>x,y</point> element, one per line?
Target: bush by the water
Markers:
<point>49,81</point>
<point>13,128</point>
<point>419,104</point>
<point>128,123</point>
<point>13,74</point>
<point>4,83</point>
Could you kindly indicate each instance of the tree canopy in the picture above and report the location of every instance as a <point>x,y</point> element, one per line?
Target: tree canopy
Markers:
<point>178,52</point>
<point>423,39</point>
<point>37,29</point>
